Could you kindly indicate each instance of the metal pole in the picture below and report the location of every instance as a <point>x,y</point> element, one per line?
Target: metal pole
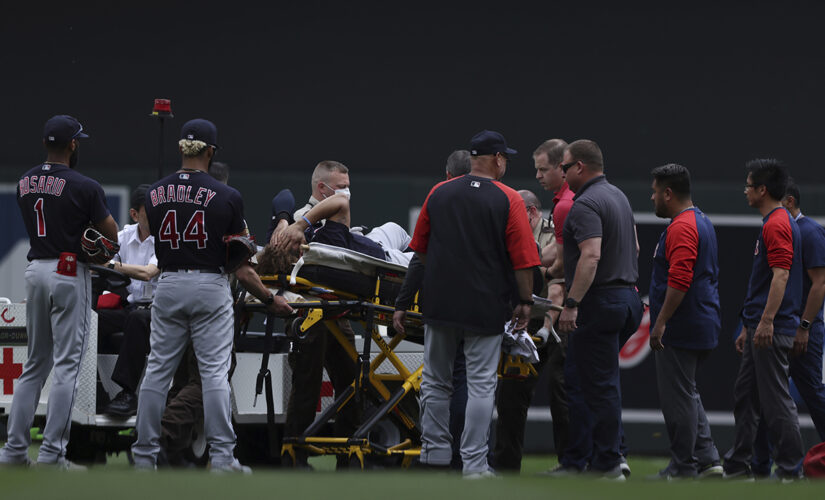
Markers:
<point>160,149</point>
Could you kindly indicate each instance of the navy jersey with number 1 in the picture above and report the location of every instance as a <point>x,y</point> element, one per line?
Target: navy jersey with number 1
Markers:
<point>57,204</point>
<point>189,213</point>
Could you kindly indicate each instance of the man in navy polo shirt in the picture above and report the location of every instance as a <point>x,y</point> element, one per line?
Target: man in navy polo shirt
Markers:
<point>474,238</point>
<point>806,358</point>
<point>770,319</point>
<point>684,312</point>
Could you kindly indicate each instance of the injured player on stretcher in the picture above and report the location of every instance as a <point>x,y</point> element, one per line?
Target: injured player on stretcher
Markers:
<point>386,242</point>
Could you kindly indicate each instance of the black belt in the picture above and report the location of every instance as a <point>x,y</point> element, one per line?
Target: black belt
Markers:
<point>209,270</point>
<point>614,284</point>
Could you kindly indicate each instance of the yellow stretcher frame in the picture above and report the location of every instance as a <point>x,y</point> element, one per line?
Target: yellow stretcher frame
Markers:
<point>330,306</point>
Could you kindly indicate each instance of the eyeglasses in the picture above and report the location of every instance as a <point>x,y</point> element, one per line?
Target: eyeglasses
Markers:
<point>752,186</point>
<point>566,166</point>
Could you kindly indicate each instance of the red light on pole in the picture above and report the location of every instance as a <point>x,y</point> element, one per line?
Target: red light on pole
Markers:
<point>162,108</point>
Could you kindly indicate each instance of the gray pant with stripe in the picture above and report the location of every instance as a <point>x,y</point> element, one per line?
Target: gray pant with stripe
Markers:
<point>482,354</point>
<point>691,445</point>
<point>197,306</point>
<point>58,313</point>
<point>762,385</point>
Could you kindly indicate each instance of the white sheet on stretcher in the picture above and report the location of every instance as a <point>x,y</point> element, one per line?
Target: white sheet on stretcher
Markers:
<point>344,259</point>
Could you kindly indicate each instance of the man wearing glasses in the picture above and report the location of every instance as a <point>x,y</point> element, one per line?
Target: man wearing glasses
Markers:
<point>770,318</point>
<point>602,305</point>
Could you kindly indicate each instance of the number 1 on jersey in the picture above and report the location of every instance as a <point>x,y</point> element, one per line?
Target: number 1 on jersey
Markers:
<point>41,217</point>
<point>194,232</point>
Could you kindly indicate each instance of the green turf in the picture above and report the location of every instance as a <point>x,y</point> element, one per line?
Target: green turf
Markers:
<point>116,481</point>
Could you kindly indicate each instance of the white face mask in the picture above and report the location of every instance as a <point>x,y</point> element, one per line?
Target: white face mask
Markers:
<point>344,191</point>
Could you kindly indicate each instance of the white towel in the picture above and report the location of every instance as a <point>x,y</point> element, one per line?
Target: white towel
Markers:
<point>519,343</point>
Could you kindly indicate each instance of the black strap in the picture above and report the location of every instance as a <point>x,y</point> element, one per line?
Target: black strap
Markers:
<point>264,378</point>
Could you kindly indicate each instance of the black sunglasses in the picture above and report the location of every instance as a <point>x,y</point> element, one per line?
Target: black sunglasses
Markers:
<point>566,166</point>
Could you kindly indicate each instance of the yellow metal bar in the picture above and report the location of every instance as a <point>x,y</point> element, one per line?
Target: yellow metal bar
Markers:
<point>342,339</point>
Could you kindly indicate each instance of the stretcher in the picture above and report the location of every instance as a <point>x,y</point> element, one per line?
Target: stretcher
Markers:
<point>328,284</point>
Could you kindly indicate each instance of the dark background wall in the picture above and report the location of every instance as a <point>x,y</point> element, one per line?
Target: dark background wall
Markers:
<point>392,87</point>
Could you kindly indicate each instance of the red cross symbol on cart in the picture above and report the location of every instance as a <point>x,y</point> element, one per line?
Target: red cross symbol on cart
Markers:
<point>326,392</point>
<point>9,370</point>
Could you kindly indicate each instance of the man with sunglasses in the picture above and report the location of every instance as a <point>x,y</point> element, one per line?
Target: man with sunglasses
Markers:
<point>602,305</point>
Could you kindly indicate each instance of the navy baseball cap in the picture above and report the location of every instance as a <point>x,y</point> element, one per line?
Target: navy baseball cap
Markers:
<point>200,130</point>
<point>488,142</point>
<point>61,129</point>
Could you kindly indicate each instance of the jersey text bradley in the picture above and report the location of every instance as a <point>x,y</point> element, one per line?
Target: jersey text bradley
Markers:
<point>181,193</point>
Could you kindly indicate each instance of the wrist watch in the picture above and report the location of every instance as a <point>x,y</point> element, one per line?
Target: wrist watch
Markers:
<point>805,324</point>
<point>269,300</point>
<point>571,303</point>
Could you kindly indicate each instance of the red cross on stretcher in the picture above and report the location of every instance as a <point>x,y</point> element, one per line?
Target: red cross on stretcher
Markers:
<point>326,392</point>
<point>9,370</point>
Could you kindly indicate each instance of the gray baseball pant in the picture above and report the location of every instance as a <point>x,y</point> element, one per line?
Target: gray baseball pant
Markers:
<point>58,313</point>
<point>762,385</point>
<point>482,355</point>
<point>687,425</point>
<point>197,306</point>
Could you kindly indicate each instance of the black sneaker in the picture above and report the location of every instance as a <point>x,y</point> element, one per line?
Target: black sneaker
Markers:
<point>740,473</point>
<point>124,405</point>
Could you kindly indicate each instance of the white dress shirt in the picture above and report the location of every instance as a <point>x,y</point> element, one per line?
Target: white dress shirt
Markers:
<point>139,253</point>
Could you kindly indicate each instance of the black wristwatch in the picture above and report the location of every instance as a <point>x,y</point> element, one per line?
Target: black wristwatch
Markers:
<point>571,303</point>
<point>269,300</point>
<point>805,324</point>
<point>529,302</point>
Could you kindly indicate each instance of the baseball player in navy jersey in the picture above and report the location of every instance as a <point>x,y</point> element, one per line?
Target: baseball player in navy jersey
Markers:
<point>57,204</point>
<point>189,214</point>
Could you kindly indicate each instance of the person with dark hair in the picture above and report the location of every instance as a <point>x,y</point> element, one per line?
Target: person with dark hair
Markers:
<point>458,163</point>
<point>137,260</point>
<point>220,171</point>
<point>57,204</point>
<point>686,319</point>
<point>470,227</point>
<point>805,363</point>
<point>770,320</point>
<point>602,306</point>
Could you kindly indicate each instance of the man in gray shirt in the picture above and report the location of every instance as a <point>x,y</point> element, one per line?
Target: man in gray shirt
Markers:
<point>600,271</point>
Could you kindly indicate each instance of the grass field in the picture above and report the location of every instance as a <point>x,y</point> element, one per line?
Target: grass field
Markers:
<point>117,481</point>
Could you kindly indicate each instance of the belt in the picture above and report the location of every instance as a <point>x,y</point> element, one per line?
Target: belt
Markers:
<point>193,269</point>
<point>614,284</point>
